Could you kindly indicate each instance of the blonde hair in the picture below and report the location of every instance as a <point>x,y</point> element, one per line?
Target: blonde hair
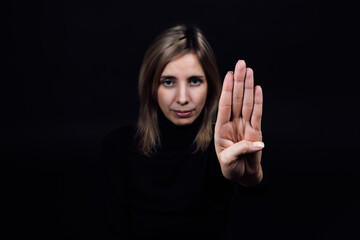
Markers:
<point>170,44</point>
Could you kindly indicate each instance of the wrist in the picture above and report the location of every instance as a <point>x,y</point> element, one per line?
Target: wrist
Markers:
<point>251,180</point>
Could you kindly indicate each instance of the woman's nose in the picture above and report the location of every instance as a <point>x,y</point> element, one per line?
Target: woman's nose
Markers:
<point>183,95</point>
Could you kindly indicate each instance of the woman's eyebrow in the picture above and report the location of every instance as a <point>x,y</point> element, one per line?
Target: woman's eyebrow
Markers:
<point>167,77</point>
<point>202,77</point>
<point>197,76</point>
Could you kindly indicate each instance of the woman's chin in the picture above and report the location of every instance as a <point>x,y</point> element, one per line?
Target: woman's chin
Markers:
<point>183,121</point>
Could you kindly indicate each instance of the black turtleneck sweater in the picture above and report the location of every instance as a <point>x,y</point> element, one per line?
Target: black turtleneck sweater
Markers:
<point>174,194</point>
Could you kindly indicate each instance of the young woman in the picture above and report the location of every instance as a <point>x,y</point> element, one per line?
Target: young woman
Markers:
<point>172,174</point>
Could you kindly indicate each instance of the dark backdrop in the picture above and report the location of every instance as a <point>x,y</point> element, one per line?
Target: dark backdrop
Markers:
<point>70,76</point>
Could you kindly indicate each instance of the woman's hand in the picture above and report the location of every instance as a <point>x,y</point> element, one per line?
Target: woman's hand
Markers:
<point>238,138</point>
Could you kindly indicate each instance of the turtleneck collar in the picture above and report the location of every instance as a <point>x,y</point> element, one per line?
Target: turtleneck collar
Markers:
<point>177,137</point>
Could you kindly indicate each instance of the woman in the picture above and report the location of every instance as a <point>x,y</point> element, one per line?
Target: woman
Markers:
<point>172,175</point>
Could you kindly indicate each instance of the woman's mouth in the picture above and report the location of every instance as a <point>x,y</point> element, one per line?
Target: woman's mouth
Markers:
<point>183,114</point>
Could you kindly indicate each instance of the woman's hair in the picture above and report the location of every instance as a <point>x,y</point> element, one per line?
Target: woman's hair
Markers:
<point>170,44</point>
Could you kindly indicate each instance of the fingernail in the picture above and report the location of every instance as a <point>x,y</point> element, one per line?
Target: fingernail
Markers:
<point>258,145</point>
<point>231,72</point>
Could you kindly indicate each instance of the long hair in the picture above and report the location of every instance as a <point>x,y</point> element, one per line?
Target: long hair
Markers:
<point>170,44</point>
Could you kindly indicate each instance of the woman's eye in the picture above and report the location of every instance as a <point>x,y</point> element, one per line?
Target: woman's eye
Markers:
<point>195,81</point>
<point>167,82</point>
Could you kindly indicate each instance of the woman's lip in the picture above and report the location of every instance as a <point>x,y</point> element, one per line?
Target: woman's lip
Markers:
<point>183,113</point>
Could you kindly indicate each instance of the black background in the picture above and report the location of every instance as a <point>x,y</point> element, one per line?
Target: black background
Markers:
<point>70,76</point>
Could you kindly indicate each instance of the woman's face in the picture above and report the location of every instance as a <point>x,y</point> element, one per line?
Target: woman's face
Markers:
<point>183,89</point>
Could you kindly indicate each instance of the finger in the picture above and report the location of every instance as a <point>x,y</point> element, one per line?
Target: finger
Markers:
<point>238,92</point>
<point>240,148</point>
<point>248,101</point>
<point>258,109</point>
<point>224,112</point>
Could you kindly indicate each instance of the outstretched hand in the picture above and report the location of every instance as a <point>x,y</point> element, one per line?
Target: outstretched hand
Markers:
<point>238,137</point>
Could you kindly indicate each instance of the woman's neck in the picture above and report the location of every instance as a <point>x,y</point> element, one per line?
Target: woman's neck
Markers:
<point>175,136</point>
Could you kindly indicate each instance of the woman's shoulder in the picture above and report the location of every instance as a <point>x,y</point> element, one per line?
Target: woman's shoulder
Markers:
<point>122,136</point>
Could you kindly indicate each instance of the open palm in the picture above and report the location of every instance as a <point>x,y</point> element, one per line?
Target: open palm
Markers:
<point>238,137</point>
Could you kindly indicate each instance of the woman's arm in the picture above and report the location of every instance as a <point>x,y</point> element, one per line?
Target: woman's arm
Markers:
<point>116,193</point>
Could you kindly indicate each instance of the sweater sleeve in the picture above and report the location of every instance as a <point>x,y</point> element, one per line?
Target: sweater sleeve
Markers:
<point>114,159</point>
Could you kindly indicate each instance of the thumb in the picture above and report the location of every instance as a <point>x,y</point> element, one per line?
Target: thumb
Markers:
<point>243,147</point>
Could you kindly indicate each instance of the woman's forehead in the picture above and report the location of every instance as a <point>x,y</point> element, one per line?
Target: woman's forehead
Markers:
<point>184,65</point>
